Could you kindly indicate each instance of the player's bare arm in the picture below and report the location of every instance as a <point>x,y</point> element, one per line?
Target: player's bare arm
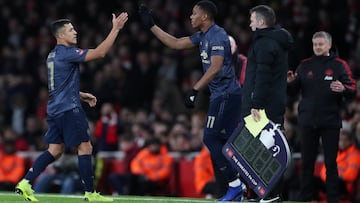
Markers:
<point>88,98</point>
<point>171,41</point>
<point>210,74</point>
<point>101,50</point>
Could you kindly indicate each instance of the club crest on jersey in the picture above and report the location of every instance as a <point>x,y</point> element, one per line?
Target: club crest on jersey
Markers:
<point>79,51</point>
<point>204,57</point>
<point>328,74</point>
<point>204,54</point>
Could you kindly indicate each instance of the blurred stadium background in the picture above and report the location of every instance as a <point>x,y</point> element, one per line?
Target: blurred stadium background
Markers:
<point>142,79</point>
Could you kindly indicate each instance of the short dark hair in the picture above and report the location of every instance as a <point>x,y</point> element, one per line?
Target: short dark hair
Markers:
<point>209,8</point>
<point>266,13</point>
<point>57,24</point>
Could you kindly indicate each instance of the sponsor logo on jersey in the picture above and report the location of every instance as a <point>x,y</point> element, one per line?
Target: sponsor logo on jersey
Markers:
<point>214,48</point>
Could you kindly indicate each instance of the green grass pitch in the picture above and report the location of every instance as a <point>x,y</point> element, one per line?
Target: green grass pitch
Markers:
<point>8,197</point>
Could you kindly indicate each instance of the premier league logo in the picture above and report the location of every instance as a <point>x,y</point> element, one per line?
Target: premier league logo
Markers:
<point>260,159</point>
<point>267,137</point>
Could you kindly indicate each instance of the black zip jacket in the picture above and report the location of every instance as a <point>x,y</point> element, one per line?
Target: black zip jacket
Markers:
<point>266,73</point>
<point>319,107</point>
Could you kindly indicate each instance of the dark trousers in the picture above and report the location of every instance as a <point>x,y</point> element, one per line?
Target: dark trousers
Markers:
<point>309,151</point>
<point>320,186</point>
<point>223,117</point>
<point>221,182</point>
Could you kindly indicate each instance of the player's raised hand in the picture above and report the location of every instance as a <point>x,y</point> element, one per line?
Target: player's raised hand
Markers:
<point>146,16</point>
<point>120,20</point>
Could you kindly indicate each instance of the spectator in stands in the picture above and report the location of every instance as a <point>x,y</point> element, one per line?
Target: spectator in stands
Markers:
<point>167,82</point>
<point>19,110</point>
<point>324,80</point>
<point>140,86</point>
<point>159,108</point>
<point>20,142</point>
<point>41,103</point>
<point>151,169</point>
<point>106,129</point>
<point>33,134</point>
<point>161,131</point>
<point>12,166</point>
<point>67,121</point>
<point>121,182</point>
<point>197,130</point>
<point>179,138</point>
<point>348,162</point>
<point>141,132</point>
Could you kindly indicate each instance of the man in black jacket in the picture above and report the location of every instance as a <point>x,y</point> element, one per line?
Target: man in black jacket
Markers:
<point>267,66</point>
<point>325,81</point>
<point>266,70</point>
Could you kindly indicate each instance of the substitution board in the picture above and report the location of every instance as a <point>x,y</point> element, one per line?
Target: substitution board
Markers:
<point>260,159</point>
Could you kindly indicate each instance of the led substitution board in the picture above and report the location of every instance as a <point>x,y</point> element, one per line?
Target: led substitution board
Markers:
<point>260,159</point>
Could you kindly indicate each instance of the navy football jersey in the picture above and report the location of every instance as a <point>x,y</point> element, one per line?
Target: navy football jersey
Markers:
<point>216,42</point>
<point>64,78</point>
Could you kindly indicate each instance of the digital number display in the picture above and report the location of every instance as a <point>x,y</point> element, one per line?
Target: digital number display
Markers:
<point>258,157</point>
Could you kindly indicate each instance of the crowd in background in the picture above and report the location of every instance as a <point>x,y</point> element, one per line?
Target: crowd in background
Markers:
<point>140,85</point>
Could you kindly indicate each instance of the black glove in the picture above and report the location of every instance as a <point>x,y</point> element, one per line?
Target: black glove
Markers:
<point>190,98</point>
<point>145,16</point>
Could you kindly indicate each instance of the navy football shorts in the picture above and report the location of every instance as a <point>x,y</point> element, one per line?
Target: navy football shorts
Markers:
<point>224,115</point>
<point>70,128</point>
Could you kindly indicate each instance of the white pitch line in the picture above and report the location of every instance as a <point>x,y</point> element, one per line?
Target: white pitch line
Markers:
<point>157,199</point>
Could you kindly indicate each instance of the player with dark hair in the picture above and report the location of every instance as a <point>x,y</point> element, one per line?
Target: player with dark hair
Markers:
<point>66,119</point>
<point>223,115</point>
